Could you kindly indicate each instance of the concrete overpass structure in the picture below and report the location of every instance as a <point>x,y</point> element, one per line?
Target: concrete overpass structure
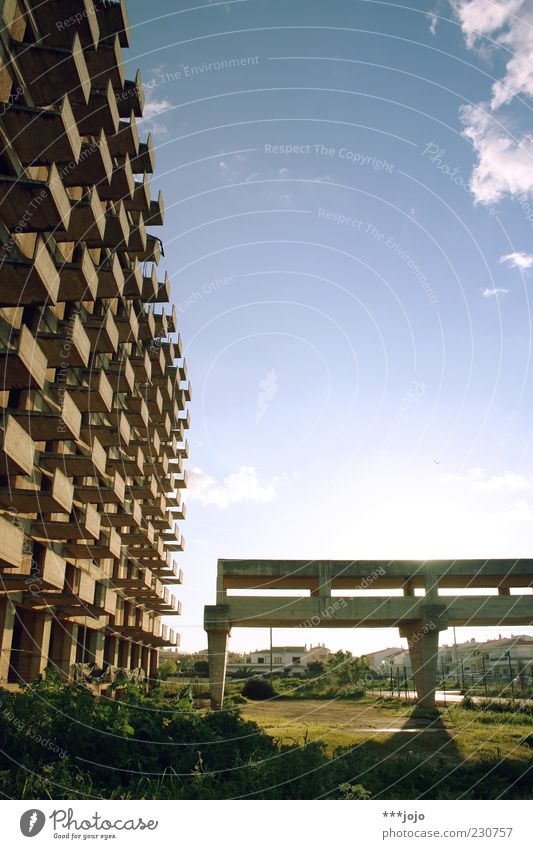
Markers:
<point>419,616</point>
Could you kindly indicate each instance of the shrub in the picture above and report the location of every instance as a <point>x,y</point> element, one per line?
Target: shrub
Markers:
<point>258,689</point>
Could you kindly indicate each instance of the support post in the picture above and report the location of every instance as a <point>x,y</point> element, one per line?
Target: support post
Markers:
<point>63,647</point>
<point>423,645</point>
<point>216,623</point>
<point>7,621</point>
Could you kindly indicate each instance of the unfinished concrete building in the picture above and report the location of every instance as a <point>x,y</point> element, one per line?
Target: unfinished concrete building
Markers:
<point>341,594</point>
<point>93,384</point>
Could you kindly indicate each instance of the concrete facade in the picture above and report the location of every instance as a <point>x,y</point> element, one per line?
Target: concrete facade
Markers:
<point>94,388</point>
<point>419,618</point>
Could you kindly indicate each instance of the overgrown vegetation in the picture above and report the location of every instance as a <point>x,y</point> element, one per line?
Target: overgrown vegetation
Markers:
<point>64,742</point>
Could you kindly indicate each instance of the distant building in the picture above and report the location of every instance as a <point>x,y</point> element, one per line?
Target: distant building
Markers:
<point>382,660</point>
<point>291,659</point>
<point>501,659</point>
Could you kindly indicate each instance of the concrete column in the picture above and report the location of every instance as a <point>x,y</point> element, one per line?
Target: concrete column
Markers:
<point>39,642</point>
<point>145,660</point>
<point>111,651</point>
<point>216,623</point>
<point>217,652</point>
<point>99,642</point>
<point>7,620</point>
<point>154,663</point>
<point>423,642</point>
<point>124,655</point>
<point>63,647</point>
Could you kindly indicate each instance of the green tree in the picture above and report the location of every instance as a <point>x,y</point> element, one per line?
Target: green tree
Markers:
<point>166,668</point>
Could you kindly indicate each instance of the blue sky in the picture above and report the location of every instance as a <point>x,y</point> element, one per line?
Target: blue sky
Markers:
<point>349,222</point>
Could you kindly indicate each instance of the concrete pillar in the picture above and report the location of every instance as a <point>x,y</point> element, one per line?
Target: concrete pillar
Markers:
<point>216,623</point>
<point>217,651</point>
<point>7,620</point>
<point>124,654</point>
<point>63,647</point>
<point>154,663</point>
<point>39,641</point>
<point>144,661</point>
<point>99,643</point>
<point>111,651</point>
<point>423,642</point>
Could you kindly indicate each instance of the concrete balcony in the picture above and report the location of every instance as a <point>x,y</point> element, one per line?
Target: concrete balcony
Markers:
<point>78,280</point>
<point>34,206</point>
<point>127,466</point>
<point>142,368</point>
<point>128,516</point>
<point>17,449</point>
<point>57,498</point>
<point>140,199</point>
<point>43,136</point>
<point>103,333</point>
<point>127,325</point>
<point>156,215</point>
<point>138,240</point>
<point>54,71</point>
<point>110,435</point>
<point>110,278</point>
<point>117,230</point>
<point>83,525</point>
<point>144,492</point>
<point>147,331</point>
<point>106,62</point>
<point>48,573</point>
<point>87,463</point>
<point>133,281</point>
<point>122,377</point>
<point>45,426</point>
<point>24,365</point>
<point>175,576</point>
<point>136,413</point>
<point>87,220</point>
<point>130,97</point>
<point>100,112</point>
<point>108,547</point>
<point>162,292</point>
<point>11,550</point>
<point>126,140</point>
<point>110,489</point>
<point>70,345</point>
<point>153,252</point>
<point>121,184</point>
<point>96,397</point>
<point>144,162</point>
<point>29,281</point>
<point>113,19</point>
<point>94,166</point>
<point>51,16</point>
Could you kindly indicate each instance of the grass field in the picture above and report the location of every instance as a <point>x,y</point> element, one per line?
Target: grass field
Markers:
<point>448,736</point>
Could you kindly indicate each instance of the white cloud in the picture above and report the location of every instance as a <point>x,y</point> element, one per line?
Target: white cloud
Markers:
<point>236,488</point>
<point>477,481</point>
<point>490,293</point>
<point>484,17</point>
<point>152,108</point>
<point>507,482</point>
<point>433,20</point>
<point>505,164</point>
<point>518,259</point>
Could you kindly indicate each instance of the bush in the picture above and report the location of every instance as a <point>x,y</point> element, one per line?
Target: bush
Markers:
<point>258,689</point>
